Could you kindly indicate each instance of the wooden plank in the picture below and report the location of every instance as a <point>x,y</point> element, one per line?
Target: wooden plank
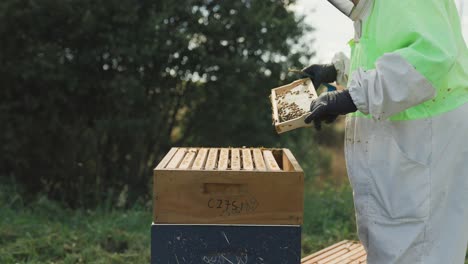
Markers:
<point>177,158</point>
<point>308,258</point>
<point>199,162</point>
<point>223,159</point>
<point>235,159</point>
<point>338,255</point>
<point>247,163</point>
<point>287,87</point>
<point>350,256</point>
<point>330,251</point>
<point>360,260</point>
<point>166,159</point>
<point>270,161</point>
<point>289,161</point>
<point>354,253</point>
<point>292,124</point>
<point>258,160</point>
<point>211,160</point>
<point>344,252</point>
<point>188,159</point>
<point>274,106</point>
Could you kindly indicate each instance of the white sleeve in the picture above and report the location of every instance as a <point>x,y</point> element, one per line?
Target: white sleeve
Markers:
<point>392,87</point>
<point>341,63</point>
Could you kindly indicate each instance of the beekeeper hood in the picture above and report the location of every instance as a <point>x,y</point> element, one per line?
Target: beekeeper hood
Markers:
<point>351,8</point>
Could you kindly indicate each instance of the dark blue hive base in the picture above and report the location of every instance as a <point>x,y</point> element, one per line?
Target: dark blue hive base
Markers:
<point>219,244</point>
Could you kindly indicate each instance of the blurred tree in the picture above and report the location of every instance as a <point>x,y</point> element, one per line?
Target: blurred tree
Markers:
<point>95,92</point>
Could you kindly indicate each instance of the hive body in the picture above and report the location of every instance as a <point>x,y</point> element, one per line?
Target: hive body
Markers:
<point>228,186</point>
<point>227,205</point>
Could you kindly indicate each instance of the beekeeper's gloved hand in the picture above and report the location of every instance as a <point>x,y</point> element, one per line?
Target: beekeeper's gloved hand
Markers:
<point>328,106</point>
<point>321,73</point>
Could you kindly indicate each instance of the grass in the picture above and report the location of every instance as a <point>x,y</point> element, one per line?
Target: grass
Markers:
<point>45,232</point>
<point>328,218</point>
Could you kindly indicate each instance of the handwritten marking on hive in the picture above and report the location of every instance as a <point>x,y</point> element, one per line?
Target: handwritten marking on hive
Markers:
<point>228,207</point>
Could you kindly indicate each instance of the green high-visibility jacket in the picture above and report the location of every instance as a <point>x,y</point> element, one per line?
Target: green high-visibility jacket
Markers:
<point>411,60</point>
<point>406,153</point>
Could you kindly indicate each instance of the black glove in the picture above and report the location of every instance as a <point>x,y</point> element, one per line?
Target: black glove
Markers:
<point>328,106</point>
<point>320,73</point>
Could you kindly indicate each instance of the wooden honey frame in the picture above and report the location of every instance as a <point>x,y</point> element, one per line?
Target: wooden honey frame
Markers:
<point>289,125</point>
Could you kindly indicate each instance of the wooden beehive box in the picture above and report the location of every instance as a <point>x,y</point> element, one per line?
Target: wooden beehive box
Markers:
<point>228,186</point>
<point>291,104</point>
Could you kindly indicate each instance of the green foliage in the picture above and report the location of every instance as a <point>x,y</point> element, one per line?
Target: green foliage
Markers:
<point>303,145</point>
<point>45,232</point>
<point>95,92</point>
<point>328,217</point>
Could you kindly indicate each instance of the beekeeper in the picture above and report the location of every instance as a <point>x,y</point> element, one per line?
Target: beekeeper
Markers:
<point>406,135</point>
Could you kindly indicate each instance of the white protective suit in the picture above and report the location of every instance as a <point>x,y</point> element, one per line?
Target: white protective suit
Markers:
<point>406,151</point>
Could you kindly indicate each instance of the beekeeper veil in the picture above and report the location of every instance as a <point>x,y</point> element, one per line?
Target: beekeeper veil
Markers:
<point>345,6</point>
